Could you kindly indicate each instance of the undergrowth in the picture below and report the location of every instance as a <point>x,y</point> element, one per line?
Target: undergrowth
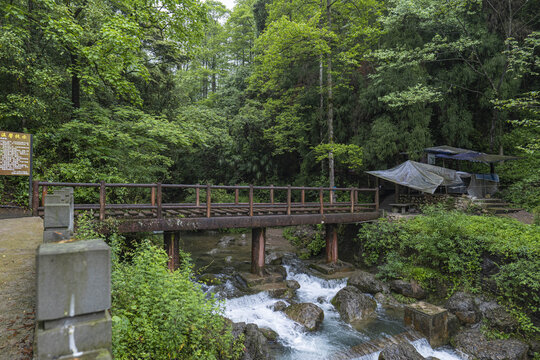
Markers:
<point>445,250</point>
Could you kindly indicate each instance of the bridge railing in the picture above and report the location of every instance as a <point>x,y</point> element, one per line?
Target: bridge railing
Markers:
<point>326,199</point>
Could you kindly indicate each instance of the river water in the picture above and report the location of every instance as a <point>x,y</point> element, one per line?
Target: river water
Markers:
<point>294,343</point>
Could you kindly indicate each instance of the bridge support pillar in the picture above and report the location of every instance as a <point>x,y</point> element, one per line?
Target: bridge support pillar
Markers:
<point>258,242</point>
<point>171,244</point>
<point>331,244</point>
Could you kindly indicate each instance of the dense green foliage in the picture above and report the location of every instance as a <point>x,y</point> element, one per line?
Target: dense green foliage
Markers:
<point>445,250</point>
<point>162,315</point>
<point>283,92</point>
<point>158,314</point>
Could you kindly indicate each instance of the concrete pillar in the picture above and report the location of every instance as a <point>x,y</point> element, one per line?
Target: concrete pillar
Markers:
<point>430,320</point>
<point>258,243</point>
<point>73,300</point>
<point>171,240</point>
<point>331,244</point>
<point>58,215</point>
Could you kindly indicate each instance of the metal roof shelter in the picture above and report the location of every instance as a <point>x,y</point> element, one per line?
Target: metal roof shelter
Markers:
<point>449,152</point>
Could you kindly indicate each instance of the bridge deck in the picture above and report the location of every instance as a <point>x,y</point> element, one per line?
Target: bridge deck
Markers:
<point>170,216</point>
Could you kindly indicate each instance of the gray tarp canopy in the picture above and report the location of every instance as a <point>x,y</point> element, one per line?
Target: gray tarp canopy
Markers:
<point>419,176</point>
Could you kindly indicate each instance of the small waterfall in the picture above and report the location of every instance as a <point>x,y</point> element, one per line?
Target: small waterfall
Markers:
<point>335,339</point>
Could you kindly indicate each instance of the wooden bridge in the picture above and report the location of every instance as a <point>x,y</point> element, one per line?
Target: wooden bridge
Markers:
<point>160,210</point>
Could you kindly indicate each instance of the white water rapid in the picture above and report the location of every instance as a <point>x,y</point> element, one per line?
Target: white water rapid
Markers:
<point>334,334</point>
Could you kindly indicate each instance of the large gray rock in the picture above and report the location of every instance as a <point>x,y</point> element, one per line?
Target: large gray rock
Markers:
<point>475,345</point>
<point>73,278</point>
<point>352,305</point>
<point>403,351</point>
<point>309,315</point>
<point>409,289</point>
<point>367,283</point>
<point>463,306</point>
<point>497,316</point>
<point>255,342</point>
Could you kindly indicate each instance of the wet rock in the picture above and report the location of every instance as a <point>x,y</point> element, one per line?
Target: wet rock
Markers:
<point>279,306</point>
<point>256,344</point>
<point>307,314</point>
<point>292,284</point>
<point>352,305</point>
<point>497,316</point>
<point>274,258</point>
<point>409,289</point>
<point>367,283</point>
<point>388,301</point>
<point>278,269</point>
<point>403,351</point>
<point>463,306</point>
<point>452,324</point>
<point>226,241</point>
<point>269,334</point>
<point>475,345</point>
<point>321,299</point>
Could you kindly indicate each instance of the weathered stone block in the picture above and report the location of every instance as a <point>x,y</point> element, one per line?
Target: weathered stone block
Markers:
<point>59,209</point>
<point>72,279</point>
<point>102,354</point>
<point>430,320</point>
<point>74,338</point>
<point>53,235</point>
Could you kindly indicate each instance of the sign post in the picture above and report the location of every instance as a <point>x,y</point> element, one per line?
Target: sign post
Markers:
<point>16,156</point>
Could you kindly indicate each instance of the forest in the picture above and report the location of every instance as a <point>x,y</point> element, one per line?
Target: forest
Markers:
<point>297,92</point>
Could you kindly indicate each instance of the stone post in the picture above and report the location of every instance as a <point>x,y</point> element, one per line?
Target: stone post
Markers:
<point>73,301</point>
<point>430,320</point>
<point>58,218</point>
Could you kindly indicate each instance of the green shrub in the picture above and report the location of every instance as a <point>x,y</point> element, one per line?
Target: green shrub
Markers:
<point>313,242</point>
<point>447,248</point>
<point>159,314</point>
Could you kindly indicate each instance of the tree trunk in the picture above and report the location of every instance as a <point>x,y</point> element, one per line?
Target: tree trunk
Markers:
<point>321,104</point>
<point>214,85</point>
<point>75,84</point>
<point>329,85</point>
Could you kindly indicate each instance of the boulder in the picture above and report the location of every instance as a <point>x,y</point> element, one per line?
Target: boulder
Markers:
<point>409,289</point>
<point>274,258</point>
<point>270,334</point>
<point>279,306</point>
<point>403,351</point>
<point>352,305</point>
<point>464,307</point>
<point>367,283</point>
<point>497,316</point>
<point>292,284</point>
<point>226,241</point>
<point>309,315</point>
<point>475,345</point>
<point>255,342</point>
<point>388,301</point>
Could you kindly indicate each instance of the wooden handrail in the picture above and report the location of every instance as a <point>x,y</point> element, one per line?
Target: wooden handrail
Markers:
<point>156,198</point>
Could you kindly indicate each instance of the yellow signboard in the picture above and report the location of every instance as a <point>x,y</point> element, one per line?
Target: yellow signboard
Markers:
<point>15,153</point>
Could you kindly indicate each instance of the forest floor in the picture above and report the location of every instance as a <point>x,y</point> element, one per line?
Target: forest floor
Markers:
<point>19,239</point>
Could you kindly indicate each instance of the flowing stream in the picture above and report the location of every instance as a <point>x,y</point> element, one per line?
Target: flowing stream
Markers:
<point>295,343</point>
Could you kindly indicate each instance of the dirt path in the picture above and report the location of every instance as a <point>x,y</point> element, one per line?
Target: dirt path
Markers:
<point>19,239</point>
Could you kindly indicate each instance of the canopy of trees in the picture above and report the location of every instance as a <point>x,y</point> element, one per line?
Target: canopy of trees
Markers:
<point>272,91</point>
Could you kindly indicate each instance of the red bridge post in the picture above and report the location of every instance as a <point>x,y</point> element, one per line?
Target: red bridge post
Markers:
<point>171,243</point>
<point>258,242</point>
<point>331,244</point>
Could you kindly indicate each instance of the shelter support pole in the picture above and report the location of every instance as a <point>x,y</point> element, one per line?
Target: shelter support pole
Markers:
<point>331,244</point>
<point>396,186</point>
<point>171,241</point>
<point>258,242</point>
